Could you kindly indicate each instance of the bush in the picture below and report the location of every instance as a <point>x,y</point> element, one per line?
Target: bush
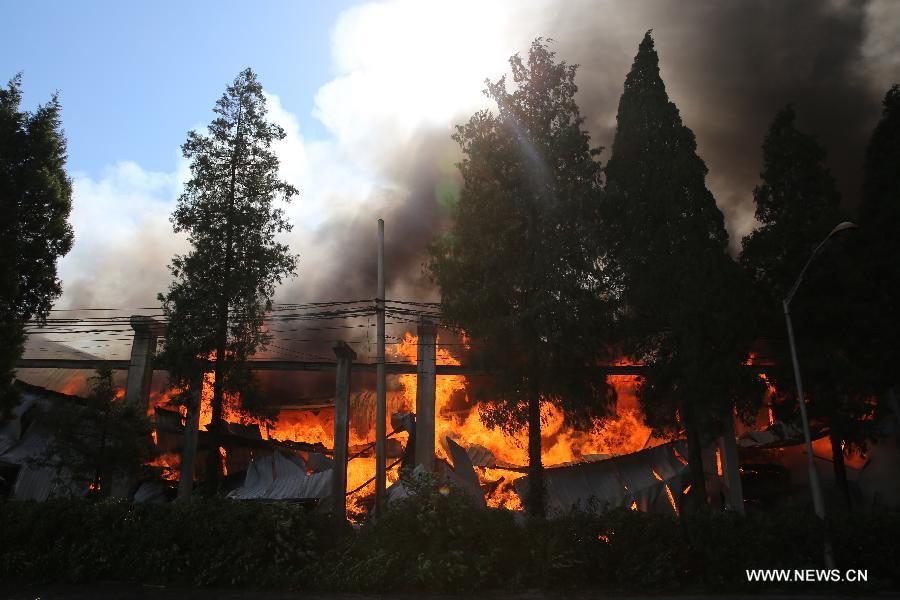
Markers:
<point>435,540</point>
<point>208,542</point>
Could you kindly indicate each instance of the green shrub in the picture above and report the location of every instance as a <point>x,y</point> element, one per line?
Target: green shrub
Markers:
<point>208,542</point>
<point>435,540</point>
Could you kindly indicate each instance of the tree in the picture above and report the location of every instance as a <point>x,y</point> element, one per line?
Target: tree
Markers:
<point>518,270</point>
<point>224,285</point>
<point>686,316</point>
<point>97,441</point>
<point>797,205</point>
<point>879,219</point>
<point>35,202</point>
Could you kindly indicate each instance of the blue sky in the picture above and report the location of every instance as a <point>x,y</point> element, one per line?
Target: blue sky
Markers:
<point>133,77</point>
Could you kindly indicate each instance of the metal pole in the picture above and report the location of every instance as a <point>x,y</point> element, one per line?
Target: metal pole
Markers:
<point>814,484</point>
<point>345,356</point>
<point>191,429</point>
<point>381,400</point>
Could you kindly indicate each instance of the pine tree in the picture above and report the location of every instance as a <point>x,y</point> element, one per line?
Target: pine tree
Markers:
<point>518,270</point>
<point>879,219</point>
<point>224,285</point>
<point>686,314</point>
<point>35,202</point>
<point>797,206</point>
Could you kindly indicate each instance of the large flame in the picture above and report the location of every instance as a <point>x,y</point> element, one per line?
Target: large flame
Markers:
<point>457,417</point>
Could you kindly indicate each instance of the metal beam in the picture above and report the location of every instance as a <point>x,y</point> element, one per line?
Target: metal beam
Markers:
<point>306,365</point>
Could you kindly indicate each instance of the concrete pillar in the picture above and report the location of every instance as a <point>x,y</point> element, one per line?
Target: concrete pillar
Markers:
<point>345,357</point>
<point>191,433</point>
<point>731,474</point>
<point>143,350</point>
<point>426,381</point>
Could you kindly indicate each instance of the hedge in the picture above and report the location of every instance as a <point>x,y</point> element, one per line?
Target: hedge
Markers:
<point>432,541</point>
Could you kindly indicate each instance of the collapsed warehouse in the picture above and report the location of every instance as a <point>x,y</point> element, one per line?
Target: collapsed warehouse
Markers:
<point>435,426</point>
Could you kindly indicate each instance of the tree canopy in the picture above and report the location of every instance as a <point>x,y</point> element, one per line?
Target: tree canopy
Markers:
<point>879,218</point>
<point>223,287</point>
<point>35,202</point>
<point>798,205</point>
<point>686,312</point>
<point>518,270</point>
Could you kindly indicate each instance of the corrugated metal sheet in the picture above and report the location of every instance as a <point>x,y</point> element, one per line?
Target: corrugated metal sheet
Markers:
<point>641,478</point>
<point>20,442</point>
<point>280,477</point>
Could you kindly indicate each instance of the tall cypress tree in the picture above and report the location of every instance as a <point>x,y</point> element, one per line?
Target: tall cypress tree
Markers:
<point>797,206</point>
<point>35,202</point>
<point>686,312</point>
<point>518,269</point>
<point>225,284</point>
<point>879,218</point>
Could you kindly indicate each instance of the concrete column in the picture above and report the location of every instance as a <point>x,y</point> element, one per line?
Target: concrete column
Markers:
<point>143,350</point>
<point>191,433</point>
<point>345,356</point>
<point>731,474</point>
<point>426,381</point>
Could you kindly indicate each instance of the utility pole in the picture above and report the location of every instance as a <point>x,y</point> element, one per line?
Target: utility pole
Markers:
<point>381,399</point>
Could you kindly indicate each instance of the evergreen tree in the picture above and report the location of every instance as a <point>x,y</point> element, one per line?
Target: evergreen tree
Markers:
<point>35,202</point>
<point>797,206</point>
<point>224,285</point>
<point>879,219</point>
<point>686,313</point>
<point>96,442</point>
<point>518,271</point>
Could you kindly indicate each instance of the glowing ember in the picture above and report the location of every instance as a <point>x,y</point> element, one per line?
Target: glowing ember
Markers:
<point>671,499</point>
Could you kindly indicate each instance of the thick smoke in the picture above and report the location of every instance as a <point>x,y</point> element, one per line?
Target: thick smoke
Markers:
<point>729,66</point>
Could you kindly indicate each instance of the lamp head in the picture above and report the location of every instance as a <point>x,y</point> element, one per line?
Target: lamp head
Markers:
<point>843,226</point>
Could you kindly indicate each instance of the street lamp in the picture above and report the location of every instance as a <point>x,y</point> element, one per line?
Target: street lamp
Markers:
<point>814,483</point>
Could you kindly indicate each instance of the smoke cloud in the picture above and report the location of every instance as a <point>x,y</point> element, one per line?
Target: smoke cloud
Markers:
<point>407,72</point>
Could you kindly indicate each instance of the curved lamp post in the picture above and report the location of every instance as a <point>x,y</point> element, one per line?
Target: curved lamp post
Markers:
<point>814,483</point>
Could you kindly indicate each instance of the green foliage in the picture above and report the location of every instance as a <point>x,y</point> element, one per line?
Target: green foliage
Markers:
<point>96,442</point>
<point>429,542</point>
<point>798,206</point>
<point>519,268</point>
<point>223,287</point>
<point>208,543</point>
<point>687,316</point>
<point>35,202</point>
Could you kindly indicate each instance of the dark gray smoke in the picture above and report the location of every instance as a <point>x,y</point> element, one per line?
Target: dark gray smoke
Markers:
<point>729,66</point>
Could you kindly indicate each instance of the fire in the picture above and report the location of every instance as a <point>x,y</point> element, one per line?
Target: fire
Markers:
<point>457,417</point>
<point>170,463</point>
<point>621,434</point>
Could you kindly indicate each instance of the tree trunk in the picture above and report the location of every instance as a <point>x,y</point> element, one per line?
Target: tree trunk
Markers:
<point>535,466</point>
<point>840,469</point>
<point>213,458</point>
<point>695,458</point>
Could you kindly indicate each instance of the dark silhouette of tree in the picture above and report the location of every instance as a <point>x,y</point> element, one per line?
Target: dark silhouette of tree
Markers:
<point>224,285</point>
<point>797,206</point>
<point>35,202</point>
<point>687,316</point>
<point>518,270</point>
<point>879,218</point>
<point>96,442</point>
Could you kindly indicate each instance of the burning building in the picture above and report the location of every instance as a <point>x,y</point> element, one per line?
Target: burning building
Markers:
<point>619,463</point>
